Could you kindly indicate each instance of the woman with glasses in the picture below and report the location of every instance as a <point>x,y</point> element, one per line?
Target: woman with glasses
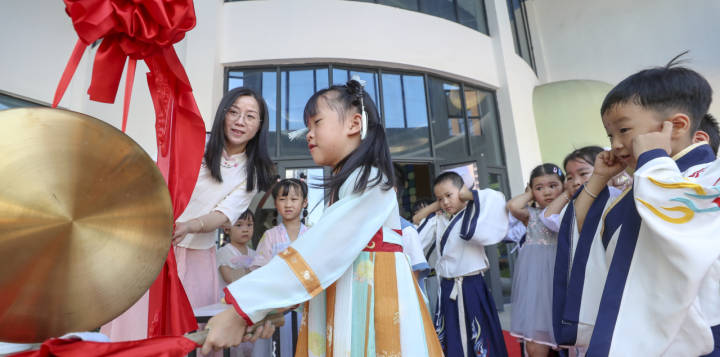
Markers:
<point>236,165</point>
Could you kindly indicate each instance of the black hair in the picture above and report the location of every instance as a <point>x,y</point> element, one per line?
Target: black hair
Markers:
<point>259,167</point>
<point>586,154</point>
<point>419,204</point>
<point>283,187</point>
<point>451,176</point>
<point>546,169</point>
<point>709,125</point>
<point>372,151</point>
<point>662,89</point>
<point>245,215</point>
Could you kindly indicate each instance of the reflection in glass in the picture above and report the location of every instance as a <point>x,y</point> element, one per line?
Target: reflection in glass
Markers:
<point>263,82</point>
<point>447,119</point>
<point>471,13</point>
<point>521,31</point>
<point>7,102</point>
<point>440,8</point>
<point>403,4</point>
<point>316,196</point>
<point>484,131</point>
<point>296,87</point>
<point>406,119</point>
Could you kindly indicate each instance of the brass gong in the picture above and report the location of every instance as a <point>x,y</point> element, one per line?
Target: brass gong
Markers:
<point>85,223</point>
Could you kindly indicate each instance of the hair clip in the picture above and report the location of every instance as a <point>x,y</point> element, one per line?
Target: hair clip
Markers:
<point>363,132</point>
<point>297,133</point>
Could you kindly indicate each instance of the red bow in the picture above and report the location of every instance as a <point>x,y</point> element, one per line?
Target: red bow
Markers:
<point>146,30</point>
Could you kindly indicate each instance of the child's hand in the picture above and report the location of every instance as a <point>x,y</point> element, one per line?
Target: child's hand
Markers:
<point>227,329</point>
<point>655,140</point>
<point>607,165</point>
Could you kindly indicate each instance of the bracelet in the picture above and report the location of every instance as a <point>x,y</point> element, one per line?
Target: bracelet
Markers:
<point>202,225</point>
<point>589,193</point>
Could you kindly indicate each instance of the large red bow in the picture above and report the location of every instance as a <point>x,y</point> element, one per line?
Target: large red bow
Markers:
<point>146,30</point>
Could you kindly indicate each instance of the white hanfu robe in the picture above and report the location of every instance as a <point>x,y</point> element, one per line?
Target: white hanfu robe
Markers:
<point>349,267</point>
<point>645,278</point>
<point>459,245</point>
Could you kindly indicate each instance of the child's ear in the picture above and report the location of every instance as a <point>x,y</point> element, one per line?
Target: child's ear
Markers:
<point>681,125</point>
<point>701,136</point>
<point>353,124</point>
<point>305,203</point>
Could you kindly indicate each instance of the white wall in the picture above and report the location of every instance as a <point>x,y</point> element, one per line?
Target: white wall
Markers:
<point>354,32</point>
<point>610,39</point>
<point>515,100</point>
<point>37,38</point>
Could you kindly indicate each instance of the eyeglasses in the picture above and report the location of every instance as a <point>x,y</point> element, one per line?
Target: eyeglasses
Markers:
<point>234,114</point>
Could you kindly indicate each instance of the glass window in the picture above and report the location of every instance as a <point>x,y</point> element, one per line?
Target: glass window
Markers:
<point>406,120</point>
<point>403,4</point>
<point>439,8</point>
<point>471,13</point>
<point>448,121</point>
<point>483,126</point>
<point>7,102</point>
<point>521,30</point>
<point>296,87</point>
<point>263,82</point>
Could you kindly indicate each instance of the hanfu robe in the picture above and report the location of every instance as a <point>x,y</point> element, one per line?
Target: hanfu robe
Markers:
<point>360,295</point>
<point>466,320</point>
<point>645,274</point>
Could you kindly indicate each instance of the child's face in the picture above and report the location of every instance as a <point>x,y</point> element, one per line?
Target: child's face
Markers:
<point>242,231</point>
<point>626,121</point>
<point>545,189</point>
<point>291,205</point>
<point>578,173</point>
<point>448,196</point>
<point>329,138</point>
<point>242,122</point>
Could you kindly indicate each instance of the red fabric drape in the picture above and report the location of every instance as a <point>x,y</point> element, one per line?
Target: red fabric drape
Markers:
<point>146,30</point>
<point>158,346</point>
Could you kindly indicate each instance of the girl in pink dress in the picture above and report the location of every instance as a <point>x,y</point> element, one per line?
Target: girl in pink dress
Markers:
<point>291,204</point>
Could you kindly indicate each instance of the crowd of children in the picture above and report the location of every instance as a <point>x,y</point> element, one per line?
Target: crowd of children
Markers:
<point>619,256</point>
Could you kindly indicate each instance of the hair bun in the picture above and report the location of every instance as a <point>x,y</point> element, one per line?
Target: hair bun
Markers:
<point>354,87</point>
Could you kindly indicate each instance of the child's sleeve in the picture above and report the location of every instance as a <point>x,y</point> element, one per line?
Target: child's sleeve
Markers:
<point>263,254</point>
<point>485,221</point>
<point>426,231</point>
<point>317,258</point>
<point>677,243</point>
<point>411,247</point>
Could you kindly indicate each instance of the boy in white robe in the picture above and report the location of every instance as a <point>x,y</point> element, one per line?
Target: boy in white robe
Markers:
<point>466,319</point>
<point>645,274</point>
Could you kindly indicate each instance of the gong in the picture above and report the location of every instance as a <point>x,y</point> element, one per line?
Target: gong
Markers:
<point>85,223</point>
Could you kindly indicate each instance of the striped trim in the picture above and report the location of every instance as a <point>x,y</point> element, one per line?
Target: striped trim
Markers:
<point>431,338</point>
<point>302,270</point>
<point>301,350</point>
<point>329,319</point>
<point>387,311</point>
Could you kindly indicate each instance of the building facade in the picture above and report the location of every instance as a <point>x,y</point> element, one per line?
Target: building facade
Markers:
<point>490,88</point>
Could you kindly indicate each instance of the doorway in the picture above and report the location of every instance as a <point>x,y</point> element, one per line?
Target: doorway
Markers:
<point>414,184</point>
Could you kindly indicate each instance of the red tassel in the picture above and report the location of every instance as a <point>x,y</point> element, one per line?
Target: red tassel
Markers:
<point>129,78</point>
<point>70,68</point>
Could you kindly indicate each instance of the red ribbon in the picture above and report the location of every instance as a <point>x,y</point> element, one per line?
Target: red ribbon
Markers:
<point>158,346</point>
<point>146,30</point>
